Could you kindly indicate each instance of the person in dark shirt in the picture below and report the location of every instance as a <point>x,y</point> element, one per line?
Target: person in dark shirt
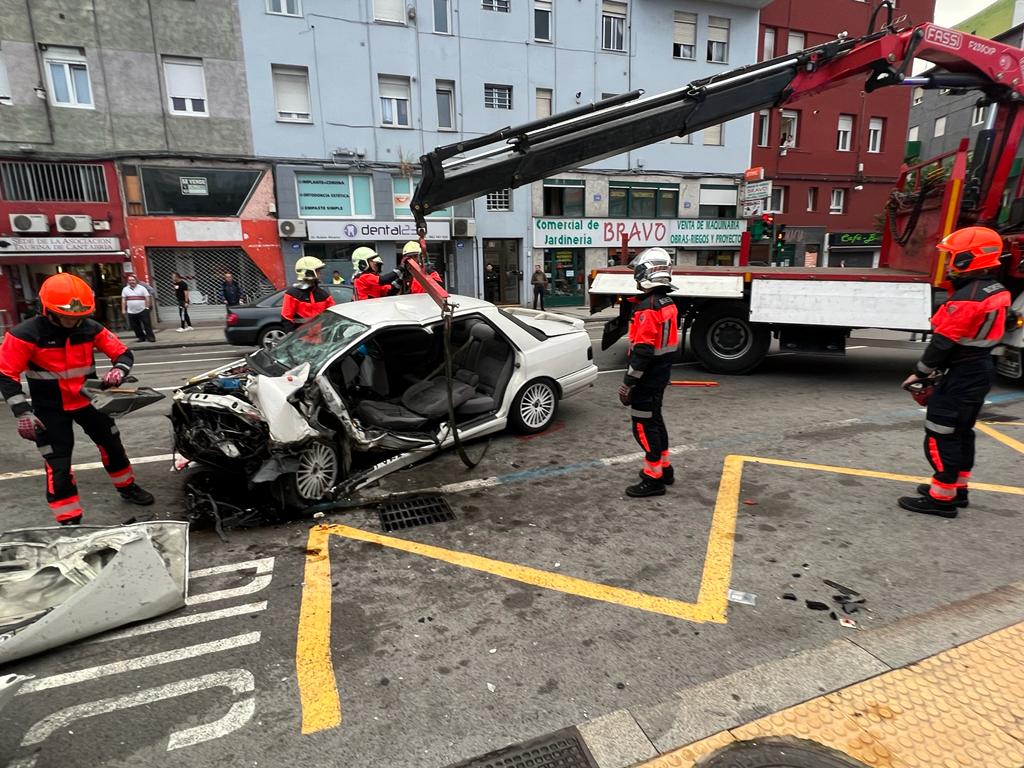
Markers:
<point>230,292</point>
<point>181,294</point>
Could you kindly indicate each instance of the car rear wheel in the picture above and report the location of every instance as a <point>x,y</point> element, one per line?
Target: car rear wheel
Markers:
<point>318,472</point>
<point>271,336</point>
<point>535,407</point>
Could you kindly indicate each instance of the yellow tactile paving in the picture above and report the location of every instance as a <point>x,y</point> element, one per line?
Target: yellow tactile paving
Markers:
<point>963,708</point>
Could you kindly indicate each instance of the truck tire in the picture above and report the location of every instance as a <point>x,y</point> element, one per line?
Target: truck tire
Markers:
<point>725,341</point>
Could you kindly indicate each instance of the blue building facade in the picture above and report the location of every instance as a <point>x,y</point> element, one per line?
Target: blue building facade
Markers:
<point>347,96</point>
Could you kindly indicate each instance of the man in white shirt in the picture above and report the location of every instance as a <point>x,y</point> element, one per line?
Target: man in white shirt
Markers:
<point>136,302</point>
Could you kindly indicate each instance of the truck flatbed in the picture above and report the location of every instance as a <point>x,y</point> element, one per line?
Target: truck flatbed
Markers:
<point>866,274</point>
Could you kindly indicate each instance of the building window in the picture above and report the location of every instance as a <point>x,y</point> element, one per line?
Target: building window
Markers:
<point>918,96</point>
<point>542,20</point>
<point>768,48</point>
<point>684,36</point>
<point>402,188</point>
<point>497,96</point>
<point>185,82</point>
<point>912,134</point>
<point>812,198</point>
<point>394,101</point>
<point>6,96</point>
<point>796,42</point>
<point>53,182</point>
<point>789,128</point>
<point>876,131</point>
<point>713,136</point>
<point>389,10</point>
<point>445,90</point>
<point>285,7</point>
<point>838,202</point>
<point>764,120</point>
<point>334,195</point>
<point>843,133</point>
<point>718,39</point>
<point>502,6</point>
<point>613,25</point>
<point>443,17</point>
<point>499,200</point>
<point>778,201</point>
<point>67,75</point>
<point>291,94</point>
<point>940,127</point>
<point>643,201</point>
<point>544,99</point>
<point>977,116</point>
<point>564,199</point>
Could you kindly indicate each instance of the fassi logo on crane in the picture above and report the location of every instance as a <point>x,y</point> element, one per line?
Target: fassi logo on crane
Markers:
<point>947,38</point>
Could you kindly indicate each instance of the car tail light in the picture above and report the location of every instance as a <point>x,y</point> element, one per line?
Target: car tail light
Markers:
<point>232,319</point>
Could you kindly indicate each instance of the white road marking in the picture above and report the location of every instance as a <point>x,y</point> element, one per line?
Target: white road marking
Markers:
<point>264,575</point>
<point>181,621</point>
<point>859,346</point>
<point>176,362</point>
<point>697,362</point>
<point>263,565</point>
<point>88,465</point>
<point>139,662</point>
<point>238,714</point>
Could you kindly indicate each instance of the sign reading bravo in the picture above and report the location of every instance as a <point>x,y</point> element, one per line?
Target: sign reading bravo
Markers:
<point>608,233</point>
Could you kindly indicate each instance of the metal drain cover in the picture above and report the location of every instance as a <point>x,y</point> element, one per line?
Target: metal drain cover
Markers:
<point>781,752</point>
<point>561,749</point>
<point>413,511</point>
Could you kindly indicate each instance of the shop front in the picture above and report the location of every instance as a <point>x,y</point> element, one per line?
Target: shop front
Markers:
<point>854,249</point>
<point>566,272</point>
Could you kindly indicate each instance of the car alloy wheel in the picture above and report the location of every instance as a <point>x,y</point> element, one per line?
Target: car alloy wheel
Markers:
<point>273,337</point>
<point>317,472</point>
<point>537,405</point>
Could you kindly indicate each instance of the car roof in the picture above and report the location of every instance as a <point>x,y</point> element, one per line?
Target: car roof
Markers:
<point>410,308</point>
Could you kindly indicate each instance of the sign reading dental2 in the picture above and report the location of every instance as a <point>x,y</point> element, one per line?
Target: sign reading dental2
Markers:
<point>643,233</point>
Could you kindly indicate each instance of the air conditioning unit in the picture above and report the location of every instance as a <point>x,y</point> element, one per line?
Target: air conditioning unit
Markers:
<point>29,222</point>
<point>74,222</point>
<point>464,228</point>
<point>291,228</point>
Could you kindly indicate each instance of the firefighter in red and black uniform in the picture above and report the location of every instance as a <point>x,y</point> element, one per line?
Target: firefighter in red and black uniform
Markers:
<point>653,338</point>
<point>370,281</point>
<point>412,250</point>
<point>965,330</point>
<point>55,351</point>
<point>307,298</point>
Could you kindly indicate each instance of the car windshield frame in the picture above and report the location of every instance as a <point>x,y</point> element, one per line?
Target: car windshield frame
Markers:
<point>318,341</point>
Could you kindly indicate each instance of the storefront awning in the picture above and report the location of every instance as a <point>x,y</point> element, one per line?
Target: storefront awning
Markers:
<point>75,257</point>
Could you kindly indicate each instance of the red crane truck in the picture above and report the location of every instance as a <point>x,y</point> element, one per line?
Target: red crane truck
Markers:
<point>732,313</point>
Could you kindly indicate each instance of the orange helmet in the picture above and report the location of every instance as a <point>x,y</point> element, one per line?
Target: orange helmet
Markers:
<point>68,295</point>
<point>972,249</point>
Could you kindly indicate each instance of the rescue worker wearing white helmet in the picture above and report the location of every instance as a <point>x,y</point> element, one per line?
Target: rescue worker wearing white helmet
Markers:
<point>307,298</point>
<point>412,250</point>
<point>653,339</point>
<point>369,282</point>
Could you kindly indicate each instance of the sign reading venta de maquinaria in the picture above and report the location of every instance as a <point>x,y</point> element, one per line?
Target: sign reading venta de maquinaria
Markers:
<point>643,233</point>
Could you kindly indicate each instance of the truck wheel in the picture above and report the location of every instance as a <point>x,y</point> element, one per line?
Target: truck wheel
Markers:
<point>725,341</point>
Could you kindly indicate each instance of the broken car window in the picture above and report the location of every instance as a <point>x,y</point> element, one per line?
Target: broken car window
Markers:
<point>317,341</point>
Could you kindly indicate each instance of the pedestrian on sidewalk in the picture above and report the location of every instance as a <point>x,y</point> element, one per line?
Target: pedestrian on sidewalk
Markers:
<point>540,286</point>
<point>56,352</point>
<point>230,292</point>
<point>181,294</point>
<point>136,302</point>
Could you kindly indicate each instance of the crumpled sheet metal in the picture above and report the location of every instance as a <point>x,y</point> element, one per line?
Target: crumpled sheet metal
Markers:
<point>62,584</point>
<point>9,685</point>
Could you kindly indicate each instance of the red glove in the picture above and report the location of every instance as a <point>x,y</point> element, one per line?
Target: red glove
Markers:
<point>29,425</point>
<point>113,378</point>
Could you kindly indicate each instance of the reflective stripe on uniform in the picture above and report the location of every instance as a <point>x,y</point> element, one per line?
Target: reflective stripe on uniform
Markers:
<point>933,451</point>
<point>942,491</point>
<point>664,351</point>
<point>123,477</point>
<point>665,461</point>
<point>70,373</point>
<point>16,400</point>
<point>642,437</point>
<point>637,414</point>
<point>633,373</point>
<point>939,429</point>
<point>66,509</point>
<point>979,342</point>
<point>652,469</point>
<point>963,479</point>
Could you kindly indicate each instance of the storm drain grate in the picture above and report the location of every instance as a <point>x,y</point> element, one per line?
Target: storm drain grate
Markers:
<point>561,749</point>
<point>414,511</point>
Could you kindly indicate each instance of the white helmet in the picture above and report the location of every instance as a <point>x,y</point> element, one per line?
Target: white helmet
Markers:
<point>652,268</point>
<point>307,267</point>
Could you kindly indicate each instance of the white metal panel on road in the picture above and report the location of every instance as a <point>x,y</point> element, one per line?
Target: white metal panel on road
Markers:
<point>845,304</point>
<point>710,286</point>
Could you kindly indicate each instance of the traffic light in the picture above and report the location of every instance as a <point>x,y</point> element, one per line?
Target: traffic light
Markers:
<point>756,230</point>
<point>765,231</point>
<point>780,238</point>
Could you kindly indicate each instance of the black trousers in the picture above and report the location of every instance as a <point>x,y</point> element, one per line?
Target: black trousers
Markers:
<point>186,321</point>
<point>141,325</point>
<point>538,295</point>
<point>648,426</point>
<point>56,443</point>
<point>949,425</point>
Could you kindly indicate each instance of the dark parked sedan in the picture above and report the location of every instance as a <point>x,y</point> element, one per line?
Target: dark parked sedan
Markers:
<point>259,324</point>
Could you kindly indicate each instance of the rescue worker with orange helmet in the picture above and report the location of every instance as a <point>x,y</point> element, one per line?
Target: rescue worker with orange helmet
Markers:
<point>55,351</point>
<point>653,339</point>
<point>412,250</point>
<point>370,282</point>
<point>965,330</point>
<point>307,298</point>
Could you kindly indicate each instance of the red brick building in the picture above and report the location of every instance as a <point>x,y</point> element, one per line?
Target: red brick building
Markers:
<point>834,157</point>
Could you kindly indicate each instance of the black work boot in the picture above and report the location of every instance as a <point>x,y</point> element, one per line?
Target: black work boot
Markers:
<point>76,520</point>
<point>961,495</point>
<point>668,475</point>
<point>133,494</point>
<point>926,505</point>
<point>647,486</point>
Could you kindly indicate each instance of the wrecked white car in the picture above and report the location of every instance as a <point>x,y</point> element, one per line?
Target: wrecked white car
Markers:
<point>362,391</point>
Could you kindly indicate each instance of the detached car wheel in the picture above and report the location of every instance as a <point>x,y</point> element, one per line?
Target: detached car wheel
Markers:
<point>535,407</point>
<point>725,341</point>
<point>271,336</point>
<point>319,470</point>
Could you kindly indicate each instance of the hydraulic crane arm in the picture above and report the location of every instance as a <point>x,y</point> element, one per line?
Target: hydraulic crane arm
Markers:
<point>520,155</point>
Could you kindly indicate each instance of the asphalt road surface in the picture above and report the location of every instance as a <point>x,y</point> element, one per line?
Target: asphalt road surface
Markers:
<point>550,600</point>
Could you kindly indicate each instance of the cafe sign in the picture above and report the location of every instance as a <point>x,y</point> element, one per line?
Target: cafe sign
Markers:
<point>643,233</point>
<point>855,240</point>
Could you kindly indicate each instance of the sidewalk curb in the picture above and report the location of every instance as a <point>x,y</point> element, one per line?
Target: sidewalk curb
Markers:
<point>137,346</point>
